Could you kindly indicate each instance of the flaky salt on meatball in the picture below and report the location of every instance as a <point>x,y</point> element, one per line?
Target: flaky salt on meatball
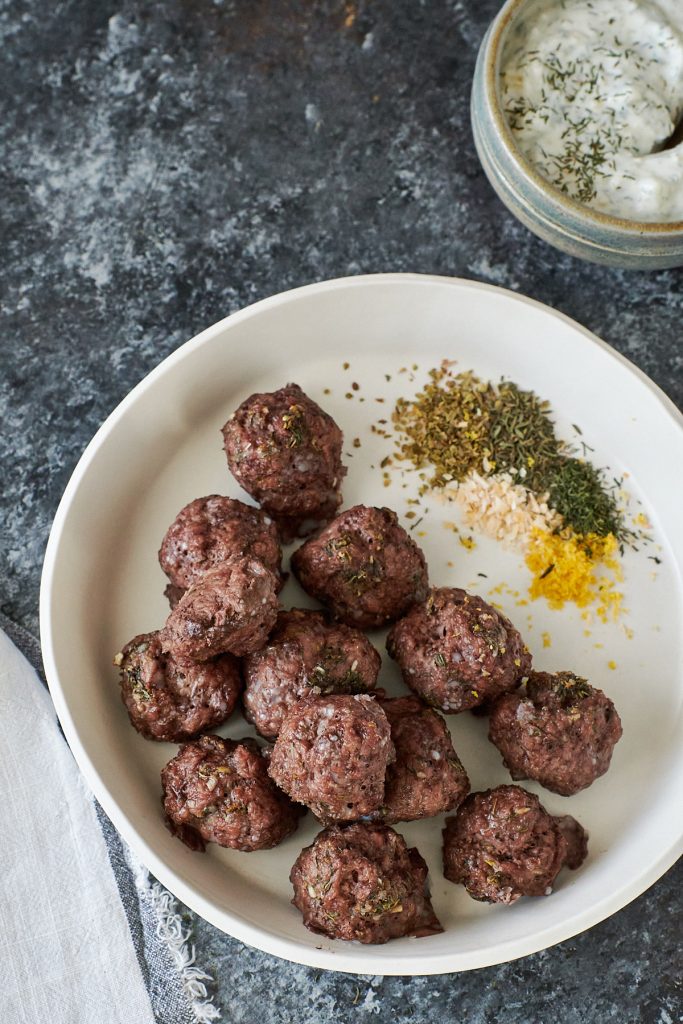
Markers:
<point>286,452</point>
<point>361,882</point>
<point>427,777</point>
<point>231,608</point>
<point>456,651</point>
<point>502,844</point>
<point>559,731</point>
<point>219,791</point>
<point>332,755</point>
<point>212,530</point>
<point>305,653</point>
<point>364,567</point>
<point>175,700</point>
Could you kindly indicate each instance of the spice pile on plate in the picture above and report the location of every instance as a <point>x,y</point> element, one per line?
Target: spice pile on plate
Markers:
<point>492,449</point>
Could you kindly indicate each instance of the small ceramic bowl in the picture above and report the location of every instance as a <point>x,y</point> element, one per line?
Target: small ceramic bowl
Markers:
<point>563,222</point>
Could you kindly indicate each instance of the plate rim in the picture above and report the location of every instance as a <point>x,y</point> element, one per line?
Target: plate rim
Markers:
<point>244,931</point>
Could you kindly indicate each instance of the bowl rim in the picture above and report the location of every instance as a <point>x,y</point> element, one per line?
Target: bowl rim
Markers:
<point>187,891</point>
<point>493,47</point>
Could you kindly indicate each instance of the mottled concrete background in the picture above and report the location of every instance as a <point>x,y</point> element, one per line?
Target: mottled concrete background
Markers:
<point>165,163</point>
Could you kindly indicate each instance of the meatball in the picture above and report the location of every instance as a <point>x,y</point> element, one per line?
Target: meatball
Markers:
<point>212,530</point>
<point>286,452</point>
<point>304,654</point>
<point>427,777</point>
<point>456,651</point>
<point>175,700</point>
<point>362,882</point>
<point>332,755</point>
<point>364,567</point>
<point>560,732</point>
<point>173,594</point>
<point>502,844</point>
<point>230,608</point>
<point>218,791</point>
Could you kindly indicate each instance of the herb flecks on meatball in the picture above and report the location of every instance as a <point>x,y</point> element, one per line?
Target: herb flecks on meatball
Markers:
<point>363,567</point>
<point>427,777</point>
<point>361,882</point>
<point>559,731</point>
<point>219,791</point>
<point>212,530</point>
<point>457,652</point>
<point>305,654</point>
<point>175,700</point>
<point>285,451</point>
<point>231,608</point>
<point>502,844</point>
<point>332,755</point>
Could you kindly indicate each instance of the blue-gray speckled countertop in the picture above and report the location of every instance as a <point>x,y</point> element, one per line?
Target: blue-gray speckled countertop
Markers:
<point>168,162</point>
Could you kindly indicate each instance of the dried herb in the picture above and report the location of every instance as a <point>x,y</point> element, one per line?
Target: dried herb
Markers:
<point>523,438</point>
<point>138,689</point>
<point>447,425</point>
<point>571,689</point>
<point>459,424</point>
<point>580,494</point>
<point>293,423</point>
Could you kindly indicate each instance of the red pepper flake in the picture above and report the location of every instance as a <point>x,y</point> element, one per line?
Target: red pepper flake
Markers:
<point>355,386</point>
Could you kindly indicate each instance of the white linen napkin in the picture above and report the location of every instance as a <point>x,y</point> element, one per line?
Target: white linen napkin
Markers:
<point>66,953</point>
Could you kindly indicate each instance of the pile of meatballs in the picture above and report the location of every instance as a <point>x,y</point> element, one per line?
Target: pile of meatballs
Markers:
<point>336,744</point>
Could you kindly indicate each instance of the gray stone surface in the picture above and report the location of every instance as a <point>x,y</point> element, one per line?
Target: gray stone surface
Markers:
<point>165,163</point>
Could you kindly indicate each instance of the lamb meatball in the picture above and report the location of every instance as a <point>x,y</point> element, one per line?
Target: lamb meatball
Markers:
<point>427,777</point>
<point>502,844</point>
<point>212,530</point>
<point>364,567</point>
<point>332,755</point>
<point>231,608</point>
<point>286,452</point>
<point>560,732</point>
<point>304,654</point>
<point>362,882</point>
<point>218,791</point>
<point>175,700</point>
<point>173,594</point>
<point>456,651</point>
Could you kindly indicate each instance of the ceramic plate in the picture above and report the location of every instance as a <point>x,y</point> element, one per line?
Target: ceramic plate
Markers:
<point>162,447</point>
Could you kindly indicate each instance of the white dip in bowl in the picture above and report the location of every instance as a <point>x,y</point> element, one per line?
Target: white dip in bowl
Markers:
<point>592,90</point>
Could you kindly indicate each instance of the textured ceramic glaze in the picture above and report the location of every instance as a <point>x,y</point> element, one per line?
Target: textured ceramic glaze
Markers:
<point>566,224</point>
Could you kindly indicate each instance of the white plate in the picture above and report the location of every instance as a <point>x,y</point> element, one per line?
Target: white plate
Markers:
<point>162,447</point>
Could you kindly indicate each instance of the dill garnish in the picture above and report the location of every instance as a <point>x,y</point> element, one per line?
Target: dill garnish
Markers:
<point>580,494</point>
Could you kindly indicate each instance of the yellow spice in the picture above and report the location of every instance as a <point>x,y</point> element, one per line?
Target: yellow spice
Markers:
<point>585,571</point>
